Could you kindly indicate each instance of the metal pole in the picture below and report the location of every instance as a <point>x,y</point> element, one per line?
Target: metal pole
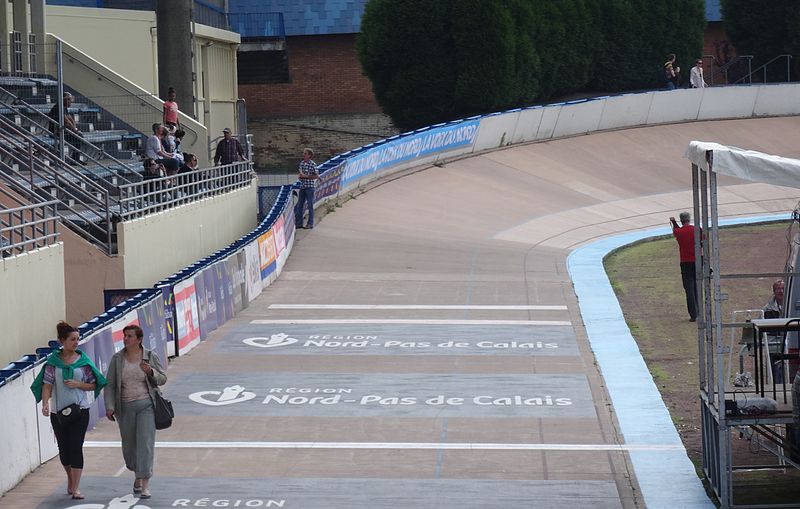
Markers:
<point>60,98</point>
<point>724,436</point>
<point>702,324</point>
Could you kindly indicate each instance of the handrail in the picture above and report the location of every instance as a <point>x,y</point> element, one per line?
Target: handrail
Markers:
<point>44,129</point>
<point>41,219</point>
<point>764,66</point>
<point>156,194</point>
<point>79,63</point>
<point>724,68</point>
<point>60,175</point>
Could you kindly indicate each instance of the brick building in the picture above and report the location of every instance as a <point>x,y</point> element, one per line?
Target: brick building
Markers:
<point>304,87</point>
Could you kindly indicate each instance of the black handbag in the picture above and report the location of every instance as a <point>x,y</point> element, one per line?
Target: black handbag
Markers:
<point>162,409</point>
<point>68,414</point>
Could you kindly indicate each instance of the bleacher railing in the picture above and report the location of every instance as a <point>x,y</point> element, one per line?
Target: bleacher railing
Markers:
<point>31,118</point>
<point>28,227</point>
<point>157,194</point>
<point>28,167</point>
<point>210,15</point>
<point>253,25</point>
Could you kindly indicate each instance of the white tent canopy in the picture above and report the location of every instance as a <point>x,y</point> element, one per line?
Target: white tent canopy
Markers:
<point>746,164</point>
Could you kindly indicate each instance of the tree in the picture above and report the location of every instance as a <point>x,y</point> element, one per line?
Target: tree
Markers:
<point>435,61</point>
<point>764,30</point>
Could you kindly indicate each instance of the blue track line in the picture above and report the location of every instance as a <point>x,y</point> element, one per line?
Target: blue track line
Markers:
<point>667,479</point>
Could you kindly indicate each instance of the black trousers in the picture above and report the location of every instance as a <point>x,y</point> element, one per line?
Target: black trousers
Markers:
<point>690,287</point>
<point>70,439</point>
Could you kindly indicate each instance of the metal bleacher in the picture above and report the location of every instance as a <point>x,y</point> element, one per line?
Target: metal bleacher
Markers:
<point>85,177</point>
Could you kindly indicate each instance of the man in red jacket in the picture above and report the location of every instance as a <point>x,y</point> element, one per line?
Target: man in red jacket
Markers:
<point>684,234</point>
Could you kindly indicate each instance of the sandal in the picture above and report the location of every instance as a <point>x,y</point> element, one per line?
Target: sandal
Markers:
<point>77,496</point>
<point>137,487</point>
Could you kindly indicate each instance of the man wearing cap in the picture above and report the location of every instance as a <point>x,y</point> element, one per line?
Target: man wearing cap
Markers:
<point>229,150</point>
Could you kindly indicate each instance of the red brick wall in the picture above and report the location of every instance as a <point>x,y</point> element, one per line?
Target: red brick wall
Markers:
<point>716,43</point>
<point>325,78</point>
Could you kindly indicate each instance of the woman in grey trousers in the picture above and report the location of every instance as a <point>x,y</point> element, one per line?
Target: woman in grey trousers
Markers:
<point>133,374</point>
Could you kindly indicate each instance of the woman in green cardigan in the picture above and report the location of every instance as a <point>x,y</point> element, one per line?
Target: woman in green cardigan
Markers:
<point>67,377</point>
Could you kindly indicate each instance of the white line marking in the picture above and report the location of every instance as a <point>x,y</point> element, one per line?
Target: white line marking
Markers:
<point>122,469</point>
<point>416,306</point>
<point>400,445</point>
<point>412,322</point>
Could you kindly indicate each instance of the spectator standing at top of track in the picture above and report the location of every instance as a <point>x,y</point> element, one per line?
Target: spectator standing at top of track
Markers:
<point>684,234</point>
<point>672,73</point>
<point>171,110</point>
<point>696,75</point>
<point>229,150</point>
<point>308,176</point>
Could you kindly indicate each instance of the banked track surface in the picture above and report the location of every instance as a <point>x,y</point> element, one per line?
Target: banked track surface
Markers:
<point>424,346</point>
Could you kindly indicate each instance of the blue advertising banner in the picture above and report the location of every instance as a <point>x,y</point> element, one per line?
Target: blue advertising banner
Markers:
<point>100,348</point>
<point>168,299</point>
<point>210,297</point>
<point>152,320</point>
<point>432,141</point>
<point>237,283</point>
<point>329,182</point>
<point>202,307</point>
<point>224,291</point>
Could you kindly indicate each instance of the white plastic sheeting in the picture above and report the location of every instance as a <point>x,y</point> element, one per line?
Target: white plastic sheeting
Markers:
<point>745,164</point>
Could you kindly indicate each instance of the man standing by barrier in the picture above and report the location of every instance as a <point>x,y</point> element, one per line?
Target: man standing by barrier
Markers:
<point>684,234</point>
<point>229,150</point>
<point>308,176</point>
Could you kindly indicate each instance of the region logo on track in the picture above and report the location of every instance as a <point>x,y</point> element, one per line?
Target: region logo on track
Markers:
<point>273,341</point>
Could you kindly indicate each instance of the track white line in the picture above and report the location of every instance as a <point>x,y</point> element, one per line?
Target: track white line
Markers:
<point>411,322</point>
<point>398,445</point>
<point>416,307</point>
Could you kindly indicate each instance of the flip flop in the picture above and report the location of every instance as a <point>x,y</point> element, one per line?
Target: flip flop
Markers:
<point>77,496</point>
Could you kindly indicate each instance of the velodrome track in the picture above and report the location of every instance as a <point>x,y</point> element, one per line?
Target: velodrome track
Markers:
<point>464,379</point>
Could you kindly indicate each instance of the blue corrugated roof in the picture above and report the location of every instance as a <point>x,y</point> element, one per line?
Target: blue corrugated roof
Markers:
<point>713,10</point>
<point>309,17</point>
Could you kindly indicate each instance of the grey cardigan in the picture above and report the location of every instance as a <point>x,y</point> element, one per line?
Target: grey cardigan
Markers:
<point>113,391</point>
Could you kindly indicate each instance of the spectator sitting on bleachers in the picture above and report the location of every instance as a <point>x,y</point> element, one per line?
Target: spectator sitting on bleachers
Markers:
<point>170,144</point>
<point>190,163</point>
<point>153,169</point>
<point>71,131</point>
<point>154,150</point>
<point>179,134</point>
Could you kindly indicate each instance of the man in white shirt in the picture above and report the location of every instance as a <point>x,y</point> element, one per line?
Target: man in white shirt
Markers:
<point>696,76</point>
<point>154,150</point>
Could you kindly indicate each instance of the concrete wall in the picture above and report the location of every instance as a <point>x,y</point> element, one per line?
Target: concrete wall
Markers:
<point>32,300</point>
<point>123,40</point>
<point>158,245</point>
<point>87,272</point>
<point>279,142</point>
